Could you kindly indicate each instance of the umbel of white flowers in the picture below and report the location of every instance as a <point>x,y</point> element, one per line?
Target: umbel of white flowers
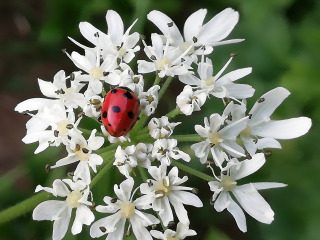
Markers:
<point>153,190</point>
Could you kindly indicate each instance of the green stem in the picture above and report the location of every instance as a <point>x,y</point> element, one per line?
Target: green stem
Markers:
<point>188,138</point>
<point>165,87</point>
<point>156,80</point>
<point>142,173</point>
<point>108,163</point>
<point>173,113</point>
<point>192,171</point>
<point>22,207</point>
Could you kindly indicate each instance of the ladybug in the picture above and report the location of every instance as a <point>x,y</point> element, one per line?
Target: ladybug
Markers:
<point>120,111</point>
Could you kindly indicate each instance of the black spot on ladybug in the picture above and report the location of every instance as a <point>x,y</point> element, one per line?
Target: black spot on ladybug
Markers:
<point>128,95</point>
<point>116,109</point>
<point>109,124</point>
<point>124,129</point>
<point>125,88</point>
<point>114,90</point>
<point>130,115</point>
<point>105,114</point>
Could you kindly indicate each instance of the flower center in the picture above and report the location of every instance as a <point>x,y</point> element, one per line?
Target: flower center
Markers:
<point>215,138</point>
<point>228,183</point>
<point>62,127</point>
<point>81,153</point>
<point>246,132</point>
<point>172,238</point>
<point>150,99</point>
<point>162,63</point>
<point>96,73</point>
<point>184,47</point>
<point>127,209</point>
<point>208,83</point>
<point>162,188</point>
<point>73,199</point>
<point>121,52</point>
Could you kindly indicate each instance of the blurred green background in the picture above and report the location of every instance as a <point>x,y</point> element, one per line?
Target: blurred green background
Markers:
<point>282,45</point>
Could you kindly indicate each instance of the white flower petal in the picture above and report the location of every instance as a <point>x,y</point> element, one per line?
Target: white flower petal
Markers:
<point>283,129</point>
<point>165,212</point>
<point>90,32</point>
<point>188,198</point>
<point>179,209</point>
<point>261,111</point>
<point>268,143</point>
<point>95,142</point>
<point>146,67</point>
<point>119,232</point>
<point>108,223</point>
<point>219,27</point>
<point>48,210</point>
<point>253,203</point>
<point>33,104</point>
<point>189,79</point>
<point>115,27</point>
<point>222,202</point>
<point>233,130</point>
<point>268,185</point>
<point>237,214</point>
<point>47,89</point>
<point>82,172</point>
<point>193,24</point>
<point>140,231</point>
<point>162,21</point>
<point>157,234</point>
<point>124,192</point>
<point>247,167</point>
<point>65,161</point>
<point>61,225</point>
<point>59,188</point>
<point>236,74</point>
<point>83,216</point>
<point>81,62</point>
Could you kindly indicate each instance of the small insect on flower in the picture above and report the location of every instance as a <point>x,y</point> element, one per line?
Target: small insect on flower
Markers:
<point>120,111</point>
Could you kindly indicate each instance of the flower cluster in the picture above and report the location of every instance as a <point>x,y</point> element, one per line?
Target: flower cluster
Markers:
<point>153,191</point>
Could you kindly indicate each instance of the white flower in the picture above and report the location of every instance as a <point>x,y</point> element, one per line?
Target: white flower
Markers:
<point>246,195</point>
<point>197,35</point>
<point>165,190</point>
<point>123,208</point>
<point>219,138</point>
<point>167,60</point>
<point>125,160</point>
<point>149,100</point>
<point>75,196</point>
<point>161,127</point>
<point>143,154</point>
<point>182,232</point>
<point>116,42</point>
<point>189,101</point>
<point>92,108</point>
<point>51,126</point>
<point>133,82</point>
<point>82,150</point>
<point>95,68</point>
<point>166,149</point>
<point>64,88</point>
<point>217,85</point>
<point>113,139</point>
<point>261,132</point>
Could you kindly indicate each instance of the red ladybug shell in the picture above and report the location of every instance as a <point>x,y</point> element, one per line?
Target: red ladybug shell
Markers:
<point>120,111</point>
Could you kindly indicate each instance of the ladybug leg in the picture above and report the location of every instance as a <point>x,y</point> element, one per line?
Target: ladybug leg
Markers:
<point>99,119</point>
